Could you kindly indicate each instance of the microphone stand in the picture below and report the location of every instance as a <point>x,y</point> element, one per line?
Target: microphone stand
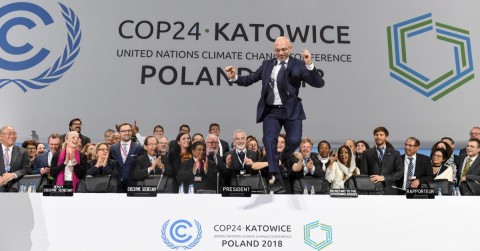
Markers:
<point>263,182</point>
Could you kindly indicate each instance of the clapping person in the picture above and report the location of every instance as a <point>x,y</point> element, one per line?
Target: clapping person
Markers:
<point>340,168</point>
<point>305,162</point>
<point>198,170</point>
<point>100,164</point>
<point>151,163</point>
<point>70,165</point>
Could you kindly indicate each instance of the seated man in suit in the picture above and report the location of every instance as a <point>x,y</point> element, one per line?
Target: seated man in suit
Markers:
<point>14,160</point>
<point>383,164</point>
<point>42,162</point>
<point>198,170</point>
<point>213,155</point>
<point>306,163</point>
<point>223,146</point>
<point>470,167</point>
<point>151,163</point>
<point>418,167</point>
<point>239,161</point>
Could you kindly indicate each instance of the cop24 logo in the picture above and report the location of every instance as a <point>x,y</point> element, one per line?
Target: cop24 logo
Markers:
<point>452,71</point>
<point>28,16</point>
<point>181,234</point>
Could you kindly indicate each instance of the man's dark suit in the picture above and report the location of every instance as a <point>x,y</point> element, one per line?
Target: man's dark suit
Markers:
<point>19,164</point>
<point>186,176</point>
<point>473,172</point>
<point>39,162</point>
<point>225,147</point>
<point>126,169</point>
<point>143,163</point>
<point>391,168</point>
<point>222,169</point>
<point>290,116</point>
<point>423,169</point>
<point>318,173</point>
<point>236,165</point>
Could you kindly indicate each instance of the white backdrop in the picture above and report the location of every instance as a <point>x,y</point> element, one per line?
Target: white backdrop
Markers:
<point>104,88</point>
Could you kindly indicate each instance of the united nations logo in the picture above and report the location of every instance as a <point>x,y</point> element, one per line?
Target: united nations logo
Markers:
<point>181,234</point>
<point>17,54</point>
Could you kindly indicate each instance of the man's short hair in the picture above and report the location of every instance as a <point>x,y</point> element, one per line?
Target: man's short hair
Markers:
<point>380,129</point>
<point>212,125</point>
<point>475,140</point>
<point>417,142</point>
<point>306,140</point>
<point>123,124</point>
<point>448,138</point>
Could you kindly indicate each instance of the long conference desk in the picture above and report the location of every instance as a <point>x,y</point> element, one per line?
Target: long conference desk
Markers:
<point>89,222</point>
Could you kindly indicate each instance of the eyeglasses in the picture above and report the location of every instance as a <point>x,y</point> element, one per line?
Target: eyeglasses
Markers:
<point>152,144</point>
<point>31,148</point>
<point>212,143</point>
<point>103,149</point>
<point>126,131</point>
<point>410,145</point>
<point>10,134</point>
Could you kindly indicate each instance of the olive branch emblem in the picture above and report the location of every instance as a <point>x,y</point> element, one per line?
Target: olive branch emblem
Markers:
<point>189,246</point>
<point>62,64</point>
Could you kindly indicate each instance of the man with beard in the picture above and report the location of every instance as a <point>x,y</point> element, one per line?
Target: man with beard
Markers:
<point>305,163</point>
<point>76,125</point>
<point>239,161</point>
<point>383,164</point>
<point>212,142</point>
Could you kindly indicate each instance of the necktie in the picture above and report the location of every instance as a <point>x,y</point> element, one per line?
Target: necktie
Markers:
<point>124,152</point>
<point>241,155</point>
<point>281,76</point>
<point>7,157</point>
<point>467,166</point>
<point>7,160</point>
<point>409,172</point>
<point>380,153</point>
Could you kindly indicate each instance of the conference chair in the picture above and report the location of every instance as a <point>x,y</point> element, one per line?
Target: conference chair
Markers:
<point>444,184</point>
<point>255,181</point>
<point>364,185</point>
<point>38,179</point>
<point>469,187</point>
<point>97,184</point>
<point>320,185</point>
<point>163,183</point>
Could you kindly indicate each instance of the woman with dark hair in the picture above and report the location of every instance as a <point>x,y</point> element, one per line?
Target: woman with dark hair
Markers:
<point>158,132</point>
<point>181,152</point>
<point>198,170</point>
<point>252,145</point>
<point>361,146</point>
<point>31,147</point>
<point>449,160</point>
<point>69,165</point>
<point>441,170</point>
<point>340,168</point>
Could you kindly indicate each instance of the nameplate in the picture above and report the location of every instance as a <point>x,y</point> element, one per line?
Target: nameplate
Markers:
<point>343,193</point>
<point>143,191</point>
<point>420,193</point>
<point>54,190</point>
<point>237,191</point>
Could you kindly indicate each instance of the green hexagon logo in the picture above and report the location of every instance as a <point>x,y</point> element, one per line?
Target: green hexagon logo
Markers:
<point>320,243</point>
<point>457,41</point>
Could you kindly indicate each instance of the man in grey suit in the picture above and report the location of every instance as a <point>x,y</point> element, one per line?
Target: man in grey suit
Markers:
<point>383,164</point>
<point>470,168</point>
<point>14,160</point>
